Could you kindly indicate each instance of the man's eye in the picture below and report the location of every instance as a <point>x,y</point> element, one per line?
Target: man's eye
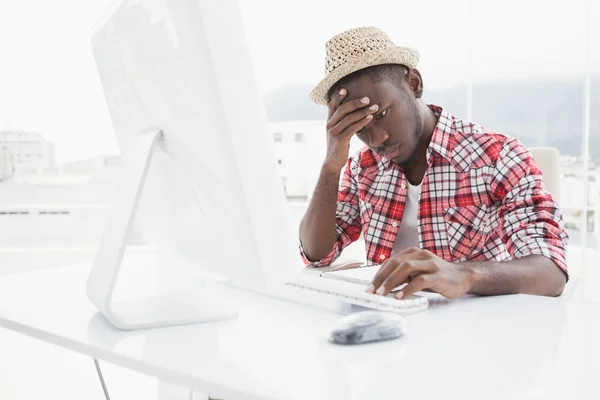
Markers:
<point>381,115</point>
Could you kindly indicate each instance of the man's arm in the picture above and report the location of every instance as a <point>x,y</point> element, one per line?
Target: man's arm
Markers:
<point>317,228</point>
<point>530,275</point>
<point>531,226</point>
<point>423,270</point>
<point>530,221</point>
<point>332,220</point>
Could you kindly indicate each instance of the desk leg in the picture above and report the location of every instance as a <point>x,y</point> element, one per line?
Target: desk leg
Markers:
<point>99,371</point>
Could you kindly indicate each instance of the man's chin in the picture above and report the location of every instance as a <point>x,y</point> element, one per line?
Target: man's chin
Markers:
<point>404,163</point>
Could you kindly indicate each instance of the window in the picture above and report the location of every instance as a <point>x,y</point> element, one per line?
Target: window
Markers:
<point>278,136</point>
<point>539,99</point>
<point>298,137</point>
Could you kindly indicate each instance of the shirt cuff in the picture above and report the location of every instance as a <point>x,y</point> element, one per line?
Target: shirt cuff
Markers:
<point>543,248</point>
<point>325,261</point>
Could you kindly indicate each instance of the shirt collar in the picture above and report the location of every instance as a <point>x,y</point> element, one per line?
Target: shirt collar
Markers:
<point>442,139</point>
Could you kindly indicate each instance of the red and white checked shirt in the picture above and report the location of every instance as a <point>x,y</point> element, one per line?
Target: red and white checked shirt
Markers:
<point>482,198</point>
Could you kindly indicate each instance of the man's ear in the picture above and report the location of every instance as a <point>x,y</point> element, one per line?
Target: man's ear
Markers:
<point>415,82</point>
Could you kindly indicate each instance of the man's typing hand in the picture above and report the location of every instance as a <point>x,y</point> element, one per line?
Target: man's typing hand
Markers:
<point>422,270</point>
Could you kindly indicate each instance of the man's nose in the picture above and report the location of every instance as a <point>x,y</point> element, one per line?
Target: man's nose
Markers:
<point>377,137</point>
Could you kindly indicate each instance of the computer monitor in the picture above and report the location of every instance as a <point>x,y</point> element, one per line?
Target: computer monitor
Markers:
<point>198,167</point>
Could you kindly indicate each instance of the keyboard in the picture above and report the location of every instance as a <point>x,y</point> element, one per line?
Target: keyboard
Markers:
<point>355,294</point>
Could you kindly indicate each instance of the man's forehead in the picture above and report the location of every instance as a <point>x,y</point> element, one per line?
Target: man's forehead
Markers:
<point>375,91</point>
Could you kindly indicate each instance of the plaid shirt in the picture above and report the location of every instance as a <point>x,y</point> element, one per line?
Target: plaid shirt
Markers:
<point>482,198</point>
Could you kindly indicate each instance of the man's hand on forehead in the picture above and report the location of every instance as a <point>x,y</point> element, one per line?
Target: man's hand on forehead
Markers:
<point>344,120</point>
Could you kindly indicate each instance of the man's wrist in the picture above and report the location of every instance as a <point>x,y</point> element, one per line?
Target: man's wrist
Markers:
<point>470,277</point>
<point>331,169</point>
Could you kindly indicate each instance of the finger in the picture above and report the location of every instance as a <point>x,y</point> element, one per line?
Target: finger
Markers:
<point>412,268</point>
<point>347,108</point>
<point>387,268</point>
<point>355,127</point>
<point>354,122</point>
<point>418,284</point>
<point>335,102</point>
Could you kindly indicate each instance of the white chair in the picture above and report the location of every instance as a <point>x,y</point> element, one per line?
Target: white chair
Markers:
<point>547,159</point>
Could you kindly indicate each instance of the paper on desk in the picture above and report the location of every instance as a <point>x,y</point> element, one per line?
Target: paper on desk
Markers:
<point>363,275</point>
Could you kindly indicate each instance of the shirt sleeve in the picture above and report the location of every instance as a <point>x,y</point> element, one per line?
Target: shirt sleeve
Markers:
<point>531,222</point>
<point>348,224</point>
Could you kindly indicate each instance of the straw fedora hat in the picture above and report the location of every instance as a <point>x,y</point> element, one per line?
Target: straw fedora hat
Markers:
<point>357,49</point>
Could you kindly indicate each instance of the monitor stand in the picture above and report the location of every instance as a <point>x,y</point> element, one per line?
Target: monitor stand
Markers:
<point>149,312</point>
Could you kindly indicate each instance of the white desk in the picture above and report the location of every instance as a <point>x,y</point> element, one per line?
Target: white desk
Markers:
<point>508,347</point>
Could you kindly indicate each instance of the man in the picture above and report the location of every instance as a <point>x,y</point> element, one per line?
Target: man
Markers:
<point>444,205</point>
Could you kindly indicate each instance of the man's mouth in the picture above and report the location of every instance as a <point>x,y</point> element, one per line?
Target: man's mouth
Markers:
<point>391,153</point>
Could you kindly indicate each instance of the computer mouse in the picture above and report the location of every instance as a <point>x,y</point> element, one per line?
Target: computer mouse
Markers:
<point>368,326</point>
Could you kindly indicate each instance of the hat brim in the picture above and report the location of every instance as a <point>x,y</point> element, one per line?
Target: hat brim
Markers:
<point>396,55</point>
